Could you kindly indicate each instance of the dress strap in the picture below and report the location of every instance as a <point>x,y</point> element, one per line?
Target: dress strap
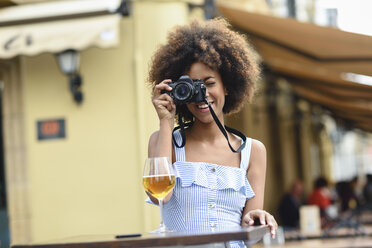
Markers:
<point>179,152</point>
<point>246,154</point>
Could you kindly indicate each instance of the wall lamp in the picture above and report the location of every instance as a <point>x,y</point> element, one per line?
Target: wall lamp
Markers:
<point>69,61</point>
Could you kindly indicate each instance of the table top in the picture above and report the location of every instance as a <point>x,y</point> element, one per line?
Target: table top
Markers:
<point>155,240</point>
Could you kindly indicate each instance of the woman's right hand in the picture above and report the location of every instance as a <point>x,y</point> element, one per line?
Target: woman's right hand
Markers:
<point>163,103</point>
<point>160,143</point>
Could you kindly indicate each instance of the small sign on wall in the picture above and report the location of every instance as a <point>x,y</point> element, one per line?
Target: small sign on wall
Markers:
<point>51,129</point>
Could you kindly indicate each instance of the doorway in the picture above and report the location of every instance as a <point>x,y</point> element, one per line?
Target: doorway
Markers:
<point>4,219</point>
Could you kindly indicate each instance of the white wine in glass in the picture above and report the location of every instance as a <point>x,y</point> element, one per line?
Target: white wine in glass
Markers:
<point>159,180</point>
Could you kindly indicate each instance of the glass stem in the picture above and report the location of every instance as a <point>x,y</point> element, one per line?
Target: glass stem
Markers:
<point>162,226</point>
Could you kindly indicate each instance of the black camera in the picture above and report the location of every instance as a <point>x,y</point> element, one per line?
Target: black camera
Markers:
<point>185,90</point>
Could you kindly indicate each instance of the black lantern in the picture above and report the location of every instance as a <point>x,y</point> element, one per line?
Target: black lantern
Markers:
<point>69,61</point>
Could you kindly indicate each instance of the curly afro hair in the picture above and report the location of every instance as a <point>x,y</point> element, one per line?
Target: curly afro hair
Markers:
<point>213,43</point>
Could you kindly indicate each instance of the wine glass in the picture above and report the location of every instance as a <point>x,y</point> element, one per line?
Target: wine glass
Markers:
<point>159,180</point>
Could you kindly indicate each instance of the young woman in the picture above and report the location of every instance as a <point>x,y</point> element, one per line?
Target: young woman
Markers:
<point>216,188</point>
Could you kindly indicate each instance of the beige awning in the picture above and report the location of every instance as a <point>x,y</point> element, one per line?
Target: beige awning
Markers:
<point>31,29</point>
<point>316,60</point>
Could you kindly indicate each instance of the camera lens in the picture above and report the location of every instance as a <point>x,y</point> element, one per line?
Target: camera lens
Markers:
<point>182,91</point>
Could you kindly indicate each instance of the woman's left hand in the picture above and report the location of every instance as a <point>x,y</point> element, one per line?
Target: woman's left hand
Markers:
<point>264,218</point>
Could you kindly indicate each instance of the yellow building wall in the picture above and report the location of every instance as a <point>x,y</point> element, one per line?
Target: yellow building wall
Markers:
<point>86,183</point>
<point>90,182</point>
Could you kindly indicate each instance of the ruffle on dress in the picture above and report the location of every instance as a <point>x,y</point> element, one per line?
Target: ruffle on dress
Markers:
<point>188,173</point>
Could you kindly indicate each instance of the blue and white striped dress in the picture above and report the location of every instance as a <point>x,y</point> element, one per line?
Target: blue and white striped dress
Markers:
<point>208,196</point>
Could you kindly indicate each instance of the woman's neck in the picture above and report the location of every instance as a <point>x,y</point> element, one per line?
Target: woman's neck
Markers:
<point>205,131</point>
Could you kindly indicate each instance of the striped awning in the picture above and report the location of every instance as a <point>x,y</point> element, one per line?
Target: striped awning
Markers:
<point>54,26</point>
<point>325,65</point>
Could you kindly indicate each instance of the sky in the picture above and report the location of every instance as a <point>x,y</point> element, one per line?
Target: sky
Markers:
<point>353,15</point>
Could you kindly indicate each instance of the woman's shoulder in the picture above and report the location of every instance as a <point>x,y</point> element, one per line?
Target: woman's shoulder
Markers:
<point>258,146</point>
<point>153,143</point>
<point>258,153</point>
<point>153,138</point>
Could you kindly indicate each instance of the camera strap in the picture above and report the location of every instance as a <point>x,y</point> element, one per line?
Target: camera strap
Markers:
<point>182,131</point>
<point>231,130</point>
<point>222,128</point>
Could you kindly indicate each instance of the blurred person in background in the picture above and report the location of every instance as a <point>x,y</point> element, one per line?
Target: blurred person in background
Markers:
<point>321,195</point>
<point>347,196</point>
<point>289,207</point>
<point>367,192</point>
